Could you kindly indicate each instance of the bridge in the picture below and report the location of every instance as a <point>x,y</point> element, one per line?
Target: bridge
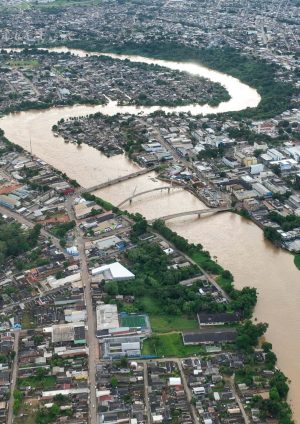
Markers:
<point>198,212</point>
<point>116,181</point>
<point>129,199</point>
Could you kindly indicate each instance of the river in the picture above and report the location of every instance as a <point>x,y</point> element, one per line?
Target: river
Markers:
<point>238,244</point>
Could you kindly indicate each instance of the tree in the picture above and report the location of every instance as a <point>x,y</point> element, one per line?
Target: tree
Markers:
<point>272,234</point>
<point>114,381</point>
<point>248,335</point>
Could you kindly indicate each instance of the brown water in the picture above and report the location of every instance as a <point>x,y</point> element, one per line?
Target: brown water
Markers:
<point>238,244</point>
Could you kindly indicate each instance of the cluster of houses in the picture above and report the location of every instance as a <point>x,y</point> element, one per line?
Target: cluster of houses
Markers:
<point>42,79</point>
<point>168,398</point>
<point>121,392</point>
<point>32,188</point>
<point>52,369</point>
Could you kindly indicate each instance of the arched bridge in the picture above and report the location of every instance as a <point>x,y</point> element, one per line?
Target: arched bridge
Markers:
<point>129,199</point>
<point>198,212</point>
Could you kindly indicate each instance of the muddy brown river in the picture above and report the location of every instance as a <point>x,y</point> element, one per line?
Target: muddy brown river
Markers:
<point>237,243</point>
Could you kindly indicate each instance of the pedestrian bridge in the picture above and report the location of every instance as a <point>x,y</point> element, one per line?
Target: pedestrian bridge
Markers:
<point>129,199</point>
<point>199,212</point>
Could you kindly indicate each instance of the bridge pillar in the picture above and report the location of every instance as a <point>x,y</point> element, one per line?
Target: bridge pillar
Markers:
<point>199,215</point>
<point>169,189</point>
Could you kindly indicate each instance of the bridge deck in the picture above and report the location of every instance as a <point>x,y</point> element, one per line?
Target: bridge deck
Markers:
<point>198,212</point>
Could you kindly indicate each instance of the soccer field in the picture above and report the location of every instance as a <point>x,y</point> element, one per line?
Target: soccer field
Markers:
<point>133,321</point>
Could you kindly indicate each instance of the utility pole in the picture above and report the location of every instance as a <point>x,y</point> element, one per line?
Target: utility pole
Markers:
<point>30,147</point>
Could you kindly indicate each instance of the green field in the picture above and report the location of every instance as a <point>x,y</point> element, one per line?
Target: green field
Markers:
<point>133,321</point>
<point>47,382</point>
<point>169,345</point>
<point>30,63</point>
<point>166,323</point>
<point>297,261</point>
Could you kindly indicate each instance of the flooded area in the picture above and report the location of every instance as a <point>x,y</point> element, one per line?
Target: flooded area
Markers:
<point>238,244</point>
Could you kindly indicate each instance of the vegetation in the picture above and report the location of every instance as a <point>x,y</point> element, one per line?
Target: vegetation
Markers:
<point>287,223</point>
<point>276,406</point>
<point>40,380</point>
<point>14,240</point>
<point>100,202</point>
<point>297,261</point>
<point>272,234</point>
<point>248,335</point>
<point>166,324</point>
<point>169,345</point>
<point>241,300</point>
<point>61,230</point>
<point>50,415</point>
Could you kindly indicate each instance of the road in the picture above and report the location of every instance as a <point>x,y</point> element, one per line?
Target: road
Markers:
<point>93,343</point>
<point>13,379</point>
<point>238,400</point>
<point>146,385</point>
<point>185,385</point>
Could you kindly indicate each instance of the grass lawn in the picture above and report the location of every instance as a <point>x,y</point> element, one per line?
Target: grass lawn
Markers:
<point>206,263</point>
<point>169,345</point>
<point>46,382</point>
<point>28,320</point>
<point>297,261</point>
<point>166,323</point>
<point>149,305</point>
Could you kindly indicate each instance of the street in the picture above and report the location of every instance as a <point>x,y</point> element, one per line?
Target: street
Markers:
<point>14,371</point>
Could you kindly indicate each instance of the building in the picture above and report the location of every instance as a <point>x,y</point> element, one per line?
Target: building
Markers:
<point>224,335</point>
<point>107,317</point>
<point>114,271</point>
<point>217,318</point>
<point>118,347</point>
<point>67,333</point>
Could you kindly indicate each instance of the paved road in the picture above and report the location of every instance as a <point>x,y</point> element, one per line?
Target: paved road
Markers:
<point>146,385</point>
<point>93,343</point>
<point>13,378</point>
<point>91,331</point>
